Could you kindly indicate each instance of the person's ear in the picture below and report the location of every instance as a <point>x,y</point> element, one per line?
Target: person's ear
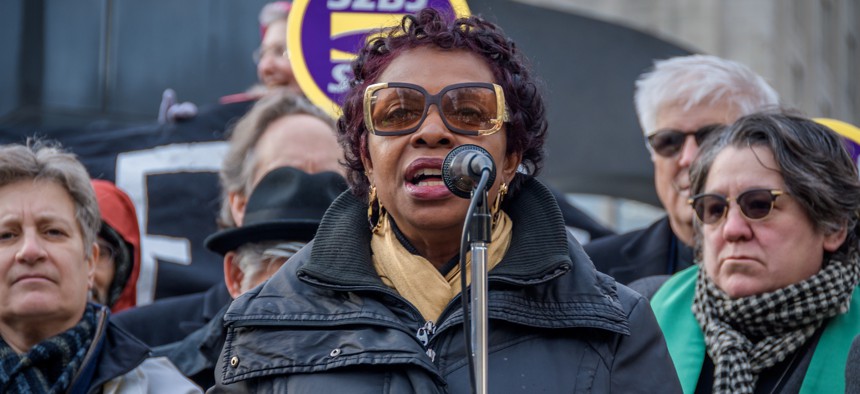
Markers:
<point>834,241</point>
<point>237,206</point>
<point>91,265</point>
<point>233,275</point>
<point>512,163</point>
<point>365,160</point>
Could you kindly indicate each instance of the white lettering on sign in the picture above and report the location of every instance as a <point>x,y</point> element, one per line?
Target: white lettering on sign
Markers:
<point>362,5</point>
<point>340,73</point>
<point>402,5</point>
<point>390,5</point>
<point>376,5</point>
<point>416,5</point>
<point>338,5</point>
<point>132,169</point>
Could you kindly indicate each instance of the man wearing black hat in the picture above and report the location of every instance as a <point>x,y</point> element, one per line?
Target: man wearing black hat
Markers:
<point>282,215</point>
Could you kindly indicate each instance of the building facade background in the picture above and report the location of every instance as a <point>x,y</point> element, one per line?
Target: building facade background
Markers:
<point>807,49</point>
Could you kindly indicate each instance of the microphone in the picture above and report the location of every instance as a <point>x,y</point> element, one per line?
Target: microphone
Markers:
<point>463,167</point>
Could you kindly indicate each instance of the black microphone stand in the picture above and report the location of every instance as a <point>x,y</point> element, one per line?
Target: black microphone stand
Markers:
<point>463,167</point>
<point>478,230</point>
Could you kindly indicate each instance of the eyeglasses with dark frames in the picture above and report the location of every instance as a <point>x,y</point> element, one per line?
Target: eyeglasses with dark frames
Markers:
<point>471,108</point>
<point>668,142</point>
<point>755,204</point>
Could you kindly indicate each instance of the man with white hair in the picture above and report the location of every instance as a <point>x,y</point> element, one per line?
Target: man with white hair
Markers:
<point>679,103</point>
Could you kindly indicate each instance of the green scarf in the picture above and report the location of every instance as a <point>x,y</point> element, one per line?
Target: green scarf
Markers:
<point>673,303</point>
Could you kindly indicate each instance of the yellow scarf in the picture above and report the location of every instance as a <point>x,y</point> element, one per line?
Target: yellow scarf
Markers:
<point>417,280</point>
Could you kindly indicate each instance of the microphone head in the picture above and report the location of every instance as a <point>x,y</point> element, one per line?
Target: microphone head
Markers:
<point>463,167</point>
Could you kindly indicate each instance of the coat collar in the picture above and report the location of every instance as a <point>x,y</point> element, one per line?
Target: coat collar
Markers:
<point>545,280</point>
<point>648,252</point>
<point>541,250</point>
<point>214,300</point>
<point>113,353</point>
<point>341,256</point>
<point>652,244</point>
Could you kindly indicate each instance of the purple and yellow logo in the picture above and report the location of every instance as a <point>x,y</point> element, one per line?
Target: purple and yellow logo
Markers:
<point>323,37</point>
<point>850,136</point>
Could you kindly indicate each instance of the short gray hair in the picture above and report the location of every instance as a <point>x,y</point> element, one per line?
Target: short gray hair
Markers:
<point>700,79</point>
<point>46,161</point>
<point>251,258</point>
<point>237,170</point>
<point>817,170</point>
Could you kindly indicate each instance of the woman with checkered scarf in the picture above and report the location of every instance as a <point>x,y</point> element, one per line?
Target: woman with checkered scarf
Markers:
<point>771,305</point>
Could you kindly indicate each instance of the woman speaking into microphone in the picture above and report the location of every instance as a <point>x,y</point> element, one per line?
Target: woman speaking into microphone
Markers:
<point>373,303</point>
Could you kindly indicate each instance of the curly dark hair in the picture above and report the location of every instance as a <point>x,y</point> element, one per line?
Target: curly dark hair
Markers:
<point>527,128</point>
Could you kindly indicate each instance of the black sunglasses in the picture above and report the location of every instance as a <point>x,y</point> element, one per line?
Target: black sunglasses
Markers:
<point>668,142</point>
<point>755,204</point>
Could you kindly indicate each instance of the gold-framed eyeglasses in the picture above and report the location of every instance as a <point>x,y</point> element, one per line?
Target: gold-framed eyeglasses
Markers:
<point>471,108</point>
<point>755,204</point>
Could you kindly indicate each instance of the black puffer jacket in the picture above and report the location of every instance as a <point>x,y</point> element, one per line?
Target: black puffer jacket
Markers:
<point>326,322</point>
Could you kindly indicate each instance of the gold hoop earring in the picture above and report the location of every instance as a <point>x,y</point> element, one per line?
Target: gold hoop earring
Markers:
<point>372,200</point>
<point>497,204</point>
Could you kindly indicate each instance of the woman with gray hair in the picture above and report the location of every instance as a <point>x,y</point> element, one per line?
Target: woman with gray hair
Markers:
<point>51,338</point>
<point>770,305</point>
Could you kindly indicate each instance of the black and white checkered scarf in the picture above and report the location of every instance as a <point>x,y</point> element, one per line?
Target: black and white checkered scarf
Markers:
<point>744,336</point>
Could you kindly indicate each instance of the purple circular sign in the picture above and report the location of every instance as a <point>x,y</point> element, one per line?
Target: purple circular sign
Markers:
<point>323,37</point>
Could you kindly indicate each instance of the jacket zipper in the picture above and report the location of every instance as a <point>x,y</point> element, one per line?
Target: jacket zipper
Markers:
<point>424,335</point>
<point>101,325</point>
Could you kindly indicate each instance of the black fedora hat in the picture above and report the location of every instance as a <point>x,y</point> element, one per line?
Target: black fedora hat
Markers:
<point>286,205</point>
